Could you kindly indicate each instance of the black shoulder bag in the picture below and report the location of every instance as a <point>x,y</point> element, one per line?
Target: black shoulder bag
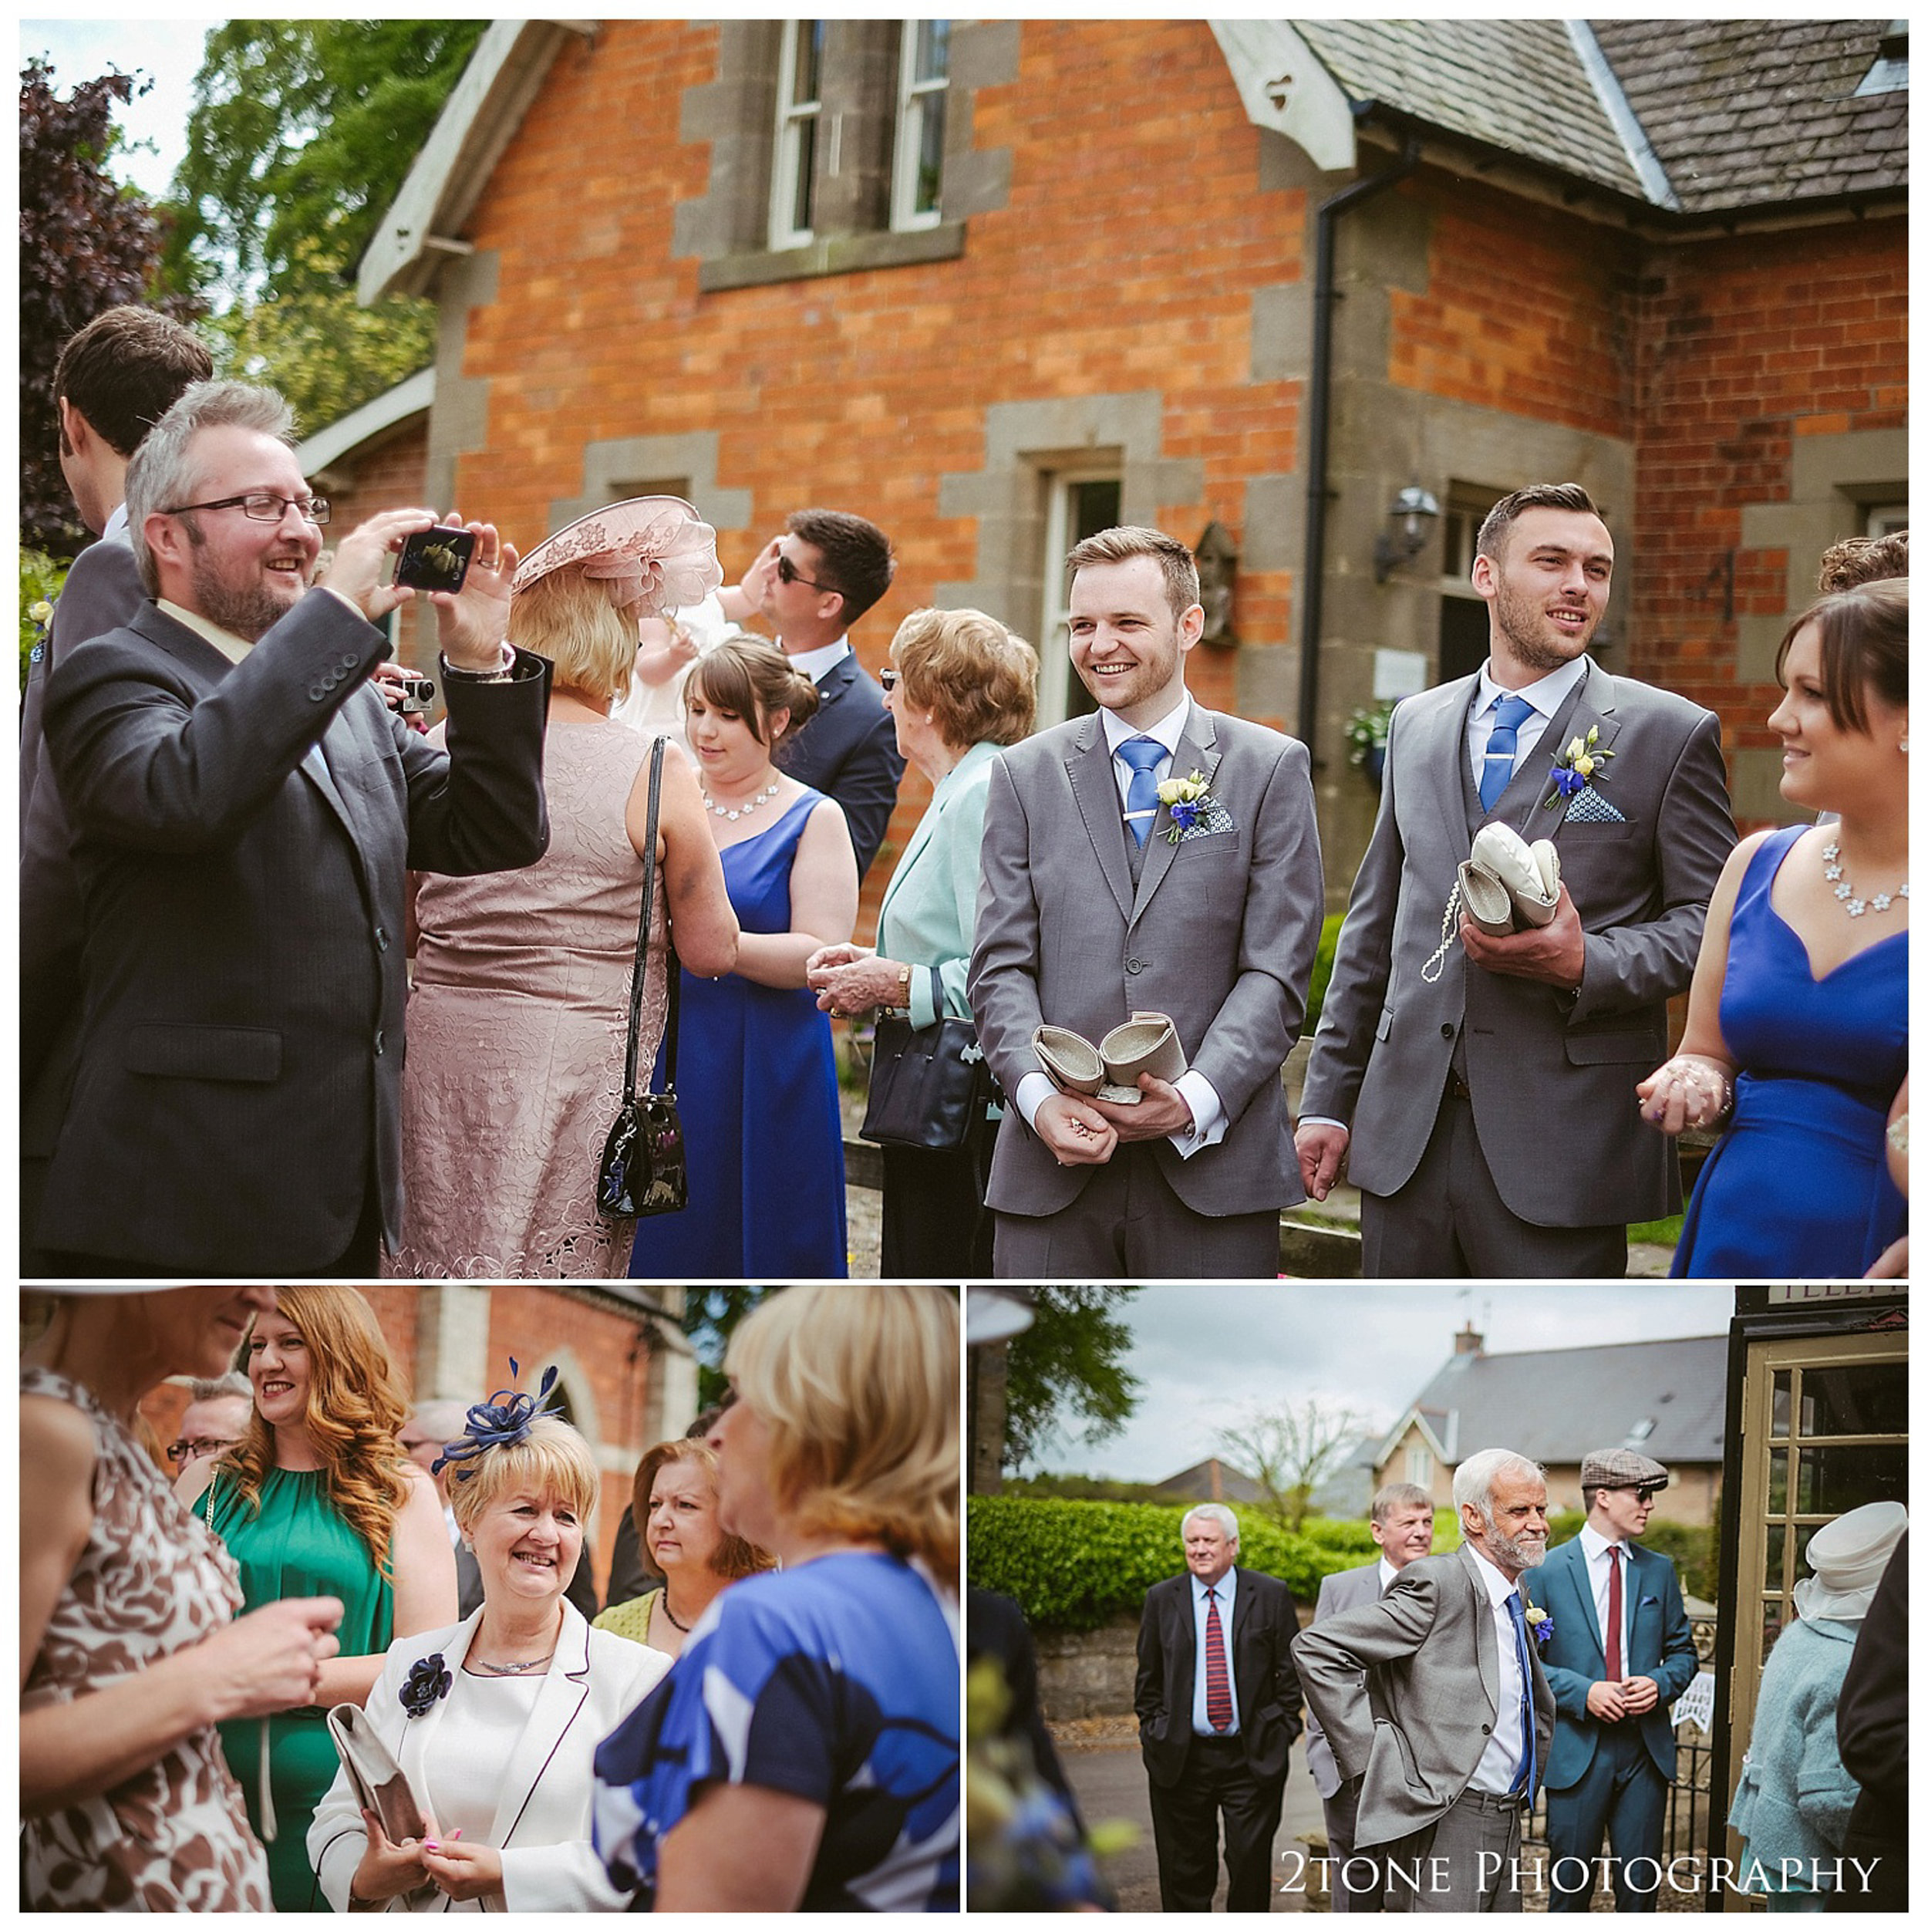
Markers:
<point>643,1169</point>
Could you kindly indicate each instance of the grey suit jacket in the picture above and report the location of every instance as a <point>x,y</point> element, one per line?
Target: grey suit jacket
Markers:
<point>1551,1077</point>
<point>103,591</point>
<point>1219,933</point>
<point>1407,1689</point>
<point>1344,1590</point>
<point>242,833</point>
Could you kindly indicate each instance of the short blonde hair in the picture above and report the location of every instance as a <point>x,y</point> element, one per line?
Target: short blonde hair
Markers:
<point>978,680</point>
<point>859,1386</point>
<point>570,620</point>
<point>735,1556</point>
<point>551,1460</point>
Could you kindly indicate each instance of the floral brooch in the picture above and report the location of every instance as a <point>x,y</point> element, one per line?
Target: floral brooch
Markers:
<point>1188,800</point>
<point>1581,764</point>
<point>428,1682</point>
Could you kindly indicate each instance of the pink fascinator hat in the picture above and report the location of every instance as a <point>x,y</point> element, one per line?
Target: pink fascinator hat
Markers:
<point>653,555</point>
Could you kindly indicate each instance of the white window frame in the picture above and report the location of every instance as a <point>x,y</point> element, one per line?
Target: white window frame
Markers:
<point>912,97</point>
<point>1883,519</point>
<point>1054,632</point>
<point>794,118</point>
<point>1419,1465</point>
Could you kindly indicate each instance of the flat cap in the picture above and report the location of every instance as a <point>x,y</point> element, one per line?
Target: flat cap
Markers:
<point>1622,1469</point>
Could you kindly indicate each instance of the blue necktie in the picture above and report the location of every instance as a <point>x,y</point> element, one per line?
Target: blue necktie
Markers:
<point>1523,1783</point>
<point>1509,713</point>
<point>1142,799</point>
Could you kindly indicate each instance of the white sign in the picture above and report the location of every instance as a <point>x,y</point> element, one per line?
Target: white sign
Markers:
<point>1695,1705</point>
<point>1780,1294</point>
<point>1398,674</point>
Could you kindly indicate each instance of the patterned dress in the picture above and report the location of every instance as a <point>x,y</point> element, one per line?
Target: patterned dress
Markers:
<point>836,1682</point>
<point>150,1581</point>
<point>516,1031</point>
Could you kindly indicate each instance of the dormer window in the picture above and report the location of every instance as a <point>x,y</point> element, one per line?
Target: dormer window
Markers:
<point>1890,73</point>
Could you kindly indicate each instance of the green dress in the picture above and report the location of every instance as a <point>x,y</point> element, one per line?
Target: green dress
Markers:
<point>299,1545</point>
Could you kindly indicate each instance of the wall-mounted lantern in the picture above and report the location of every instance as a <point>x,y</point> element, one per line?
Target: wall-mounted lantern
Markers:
<point>1413,510</point>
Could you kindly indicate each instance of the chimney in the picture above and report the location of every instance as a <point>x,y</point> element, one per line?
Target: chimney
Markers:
<point>1469,1341</point>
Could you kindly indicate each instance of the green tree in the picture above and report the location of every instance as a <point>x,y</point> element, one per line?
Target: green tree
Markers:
<point>1068,1367</point>
<point>710,1316</point>
<point>301,134</point>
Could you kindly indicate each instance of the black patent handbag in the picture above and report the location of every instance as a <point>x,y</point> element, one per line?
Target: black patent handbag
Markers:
<point>644,1171</point>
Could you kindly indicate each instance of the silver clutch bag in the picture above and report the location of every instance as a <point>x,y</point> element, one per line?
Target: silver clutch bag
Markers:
<point>1147,1042</point>
<point>1507,881</point>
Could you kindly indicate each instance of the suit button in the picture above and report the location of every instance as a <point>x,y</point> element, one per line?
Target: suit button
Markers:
<point>349,663</point>
<point>377,1042</point>
<point>1446,1031</point>
<point>1135,965</point>
<point>381,938</point>
<point>1486,1729</point>
<point>317,693</point>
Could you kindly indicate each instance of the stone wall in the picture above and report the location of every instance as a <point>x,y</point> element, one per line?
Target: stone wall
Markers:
<point>1088,1673</point>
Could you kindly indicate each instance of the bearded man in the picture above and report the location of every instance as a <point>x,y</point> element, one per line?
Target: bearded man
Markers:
<point>245,809</point>
<point>1481,1090</point>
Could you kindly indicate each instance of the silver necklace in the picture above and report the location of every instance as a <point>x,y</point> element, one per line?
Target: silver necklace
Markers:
<point>1844,889</point>
<point>740,812</point>
<point>511,1670</point>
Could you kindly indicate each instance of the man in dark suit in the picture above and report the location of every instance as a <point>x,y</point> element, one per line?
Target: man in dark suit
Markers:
<point>115,379</point>
<point>1871,1728</point>
<point>245,809</point>
<point>1621,1651</point>
<point>1217,1705</point>
<point>1481,1089</point>
<point>1434,1703</point>
<point>1100,898</point>
<point>812,584</point>
<point>1401,1516</point>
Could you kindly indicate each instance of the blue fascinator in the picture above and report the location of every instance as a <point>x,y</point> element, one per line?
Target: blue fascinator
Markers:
<point>505,1418</point>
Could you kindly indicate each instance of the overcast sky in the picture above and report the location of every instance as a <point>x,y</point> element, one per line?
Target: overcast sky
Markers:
<point>168,51</point>
<point>1205,1355</point>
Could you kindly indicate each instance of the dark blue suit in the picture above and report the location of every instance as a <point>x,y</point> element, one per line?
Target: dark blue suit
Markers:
<point>849,750</point>
<point>1610,1779</point>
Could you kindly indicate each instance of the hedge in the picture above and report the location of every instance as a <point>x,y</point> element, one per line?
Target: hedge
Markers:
<point>1074,1566</point>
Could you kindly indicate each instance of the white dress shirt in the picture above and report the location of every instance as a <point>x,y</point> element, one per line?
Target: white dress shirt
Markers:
<point>1498,1766</point>
<point>1227,1587</point>
<point>1387,1573</point>
<point>1208,1121</point>
<point>1545,695</point>
<point>1599,1574</point>
<point>117,525</point>
<point>817,665</point>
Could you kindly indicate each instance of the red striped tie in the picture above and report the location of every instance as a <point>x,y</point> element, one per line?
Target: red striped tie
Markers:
<point>1218,1681</point>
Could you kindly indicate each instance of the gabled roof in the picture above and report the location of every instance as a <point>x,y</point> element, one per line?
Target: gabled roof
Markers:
<point>374,422</point>
<point>1211,1481</point>
<point>1667,1399</point>
<point>1743,112</point>
<point>1520,84</point>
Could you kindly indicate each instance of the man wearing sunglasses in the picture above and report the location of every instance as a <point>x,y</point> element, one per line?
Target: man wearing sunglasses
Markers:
<point>245,809</point>
<point>811,585</point>
<point>1619,1654</point>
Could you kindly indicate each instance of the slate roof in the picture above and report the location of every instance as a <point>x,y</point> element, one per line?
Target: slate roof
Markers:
<point>1195,1484</point>
<point>1738,114</point>
<point>1743,112</point>
<point>1555,1404</point>
<point>1515,84</point>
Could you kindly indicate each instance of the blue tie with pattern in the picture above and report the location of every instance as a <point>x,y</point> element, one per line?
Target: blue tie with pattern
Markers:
<point>1523,1783</point>
<point>1509,713</point>
<point>1142,798</point>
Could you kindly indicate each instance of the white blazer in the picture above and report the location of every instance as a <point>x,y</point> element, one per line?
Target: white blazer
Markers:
<point>541,1824</point>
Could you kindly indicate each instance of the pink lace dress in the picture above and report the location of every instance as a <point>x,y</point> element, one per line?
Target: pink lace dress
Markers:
<point>516,1029</point>
<point>150,1581</point>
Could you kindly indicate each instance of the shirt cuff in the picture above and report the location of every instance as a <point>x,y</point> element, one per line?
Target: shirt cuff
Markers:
<point>503,673</point>
<point>1208,1121</point>
<point>1324,1120</point>
<point>1032,1091</point>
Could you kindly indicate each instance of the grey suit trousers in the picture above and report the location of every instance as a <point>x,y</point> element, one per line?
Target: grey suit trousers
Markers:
<point>1467,1860</point>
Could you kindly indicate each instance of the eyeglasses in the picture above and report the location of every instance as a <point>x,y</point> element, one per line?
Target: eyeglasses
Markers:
<point>889,677</point>
<point>184,1451</point>
<point>263,506</point>
<point>790,574</point>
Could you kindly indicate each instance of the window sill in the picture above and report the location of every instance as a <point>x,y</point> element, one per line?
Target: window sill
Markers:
<point>841,254</point>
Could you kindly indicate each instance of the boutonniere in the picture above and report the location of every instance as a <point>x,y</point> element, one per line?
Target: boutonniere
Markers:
<point>1188,800</point>
<point>1540,1622</point>
<point>428,1682</point>
<point>1581,764</point>
<point>40,615</point>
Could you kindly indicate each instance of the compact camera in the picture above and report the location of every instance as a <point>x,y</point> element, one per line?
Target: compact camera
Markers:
<point>435,559</point>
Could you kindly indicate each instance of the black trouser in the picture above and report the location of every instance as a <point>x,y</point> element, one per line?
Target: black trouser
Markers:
<point>1216,1781</point>
<point>935,1223</point>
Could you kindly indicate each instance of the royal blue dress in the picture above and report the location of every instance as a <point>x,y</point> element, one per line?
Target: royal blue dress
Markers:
<point>835,1682</point>
<point>1798,1187</point>
<point>756,1080</point>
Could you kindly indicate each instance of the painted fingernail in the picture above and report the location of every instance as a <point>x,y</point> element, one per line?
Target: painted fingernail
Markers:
<point>429,1845</point>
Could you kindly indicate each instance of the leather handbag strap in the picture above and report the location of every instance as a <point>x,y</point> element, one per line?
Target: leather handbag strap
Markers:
<point>641,969</point>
